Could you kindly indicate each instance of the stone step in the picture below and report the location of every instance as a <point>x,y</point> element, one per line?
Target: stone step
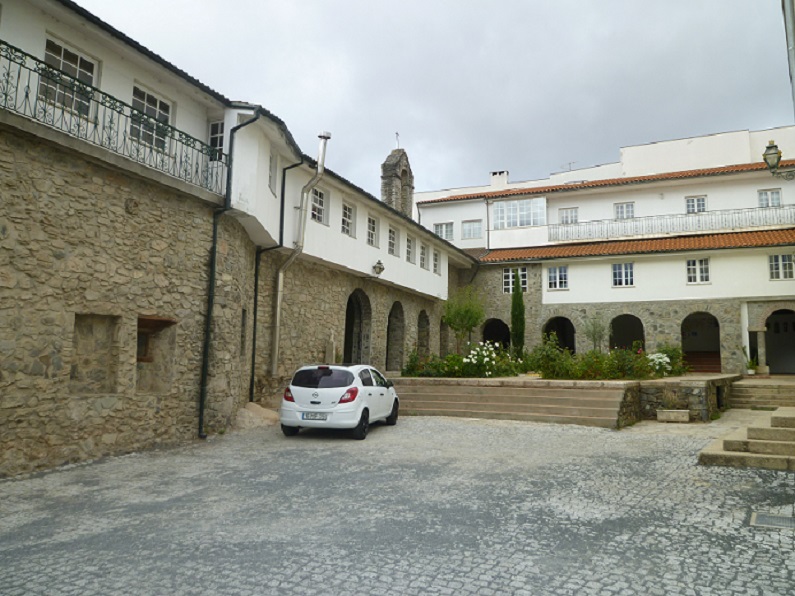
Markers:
<point>745,445</point>
<point>603,422</point>
<point>505,390</point>
<point>519,408</point>
<point>485,398</point>
<point>715,455</point>
<point>771,434</point>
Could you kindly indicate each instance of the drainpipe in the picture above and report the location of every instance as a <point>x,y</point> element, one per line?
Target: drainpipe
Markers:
<point>256,279</point>
<point>208,318</point>
<point>299,247</point>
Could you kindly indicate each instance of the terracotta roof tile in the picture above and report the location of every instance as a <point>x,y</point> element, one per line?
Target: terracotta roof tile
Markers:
<point>757,238</point>
<point>543,190</point>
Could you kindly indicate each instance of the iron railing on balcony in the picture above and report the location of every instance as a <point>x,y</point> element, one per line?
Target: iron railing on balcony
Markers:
<point>37,91</point>
<point>661,225</point>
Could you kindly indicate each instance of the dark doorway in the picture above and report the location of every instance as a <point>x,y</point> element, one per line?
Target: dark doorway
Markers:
<point>497,332</point>
<point>423,334</point>
<point>701,342</point>
<point>358,317</point>
<point>780,342</point>
<point>564,329</point>
<point>625,330</point>
<point>395,336</point>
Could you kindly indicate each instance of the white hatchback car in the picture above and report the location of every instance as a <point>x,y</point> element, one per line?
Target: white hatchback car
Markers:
<point>331,396</point>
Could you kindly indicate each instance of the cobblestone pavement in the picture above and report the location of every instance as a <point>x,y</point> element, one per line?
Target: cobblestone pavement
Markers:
<point>432,506</point>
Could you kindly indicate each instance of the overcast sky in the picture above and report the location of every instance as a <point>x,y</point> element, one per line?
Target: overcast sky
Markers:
<point>474,85</point>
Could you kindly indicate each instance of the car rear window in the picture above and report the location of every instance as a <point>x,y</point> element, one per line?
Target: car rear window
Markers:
<point>321,378</point>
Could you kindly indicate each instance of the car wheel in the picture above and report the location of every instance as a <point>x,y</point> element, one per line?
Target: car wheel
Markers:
<point>360,432</point>
<point>290,431</point>
<point>391,420</point>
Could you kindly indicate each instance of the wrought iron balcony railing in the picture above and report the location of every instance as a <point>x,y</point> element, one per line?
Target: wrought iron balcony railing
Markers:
<point>661,225</point>
<point>37,91</point>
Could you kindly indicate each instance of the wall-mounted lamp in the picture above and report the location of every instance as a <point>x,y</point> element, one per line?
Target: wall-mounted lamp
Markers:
<point>378,268</point>
<point>772,157</point>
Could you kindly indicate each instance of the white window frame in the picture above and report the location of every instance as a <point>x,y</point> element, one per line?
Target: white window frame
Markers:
<point>273,171</point>
<point>568,215</point>
<point>520,213</point>
<point>781,267</point>
<point>155,108</point>
<point>410,256</point>
<point>319,210</point>
<point>56,94</point>
<point>558,277</point>
<point>472,229</point>
<point>697,271</point>
<point>393,244</point>
<point>437,257</point>
<point>216,140</point>
<point>373,226</point>
<point>769,197</point>
<point>624,210</point>
<point>507,279</point>
<point>348,221</point>
<point>623,275</point>
<point>695,204</point>
<point>444,230</point>
<point>423,256</point>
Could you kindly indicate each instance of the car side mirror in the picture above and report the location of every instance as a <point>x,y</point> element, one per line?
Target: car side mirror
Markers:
<point>388,384</point>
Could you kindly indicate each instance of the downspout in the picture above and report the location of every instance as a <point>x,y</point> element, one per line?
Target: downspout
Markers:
<point>299,247</point>
<point>256,280</point>
<point>208,318</point>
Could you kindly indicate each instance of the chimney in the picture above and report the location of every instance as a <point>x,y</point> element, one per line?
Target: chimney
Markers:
<point>499,179</point>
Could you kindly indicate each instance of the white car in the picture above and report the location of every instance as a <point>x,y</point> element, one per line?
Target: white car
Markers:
<point>330,396</point>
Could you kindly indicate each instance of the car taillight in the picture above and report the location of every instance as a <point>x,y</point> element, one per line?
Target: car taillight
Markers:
<point>349,395</point>
<point>288,395</point>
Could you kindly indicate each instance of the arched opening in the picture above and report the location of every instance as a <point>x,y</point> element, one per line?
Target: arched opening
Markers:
<point>423,335</point>
<point>395,336</point>
<point>564,329</point>
<point>780,342</point>
<point>444,339</point>
<point>701,342</point>
<point>626,330</point>
<point>358,316</point>
<point>498,332</point>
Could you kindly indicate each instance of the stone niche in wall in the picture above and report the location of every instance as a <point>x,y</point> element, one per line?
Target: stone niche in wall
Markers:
<point>157,340</point>
<point>95,354</point>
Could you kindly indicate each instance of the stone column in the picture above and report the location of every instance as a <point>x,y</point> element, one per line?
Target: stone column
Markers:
<point>762,368</point>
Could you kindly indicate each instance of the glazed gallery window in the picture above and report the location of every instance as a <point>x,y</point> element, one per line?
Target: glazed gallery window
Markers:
<point>781,266</point>
<point>273,168</point>
<point>507,279</point>
<point>558,278</point>
<point>444,230</point>
<point>695,204</point>
<point>348,215</point>
<point>61,92</point>
<point>472,229</point>
<point>372,231</point>
<point>521,213</point>
<point>393,241</point>
<point>623,275</point>
<point>770,197</point>
<point>216,140</point>
<point>569,215</point>
<point>697,271</point>
<point>423,256</point>
<point>150,119</point>
<point>624,210</point>
<point>410,249</point>
<point>436,258</point>
<point>319,210</point>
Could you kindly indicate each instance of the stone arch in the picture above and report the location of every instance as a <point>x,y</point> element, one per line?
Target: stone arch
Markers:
<point>496,331</point>
<point>358,322</point>
<point>564,329</point>
<point>395,337</point>
<point>780,341</point>
<point>701,342</point>
<point>444,339</point>
<point>626,330</point>
<point>423,334</point>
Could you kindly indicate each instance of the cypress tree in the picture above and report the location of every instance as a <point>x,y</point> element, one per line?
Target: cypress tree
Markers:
<point>517,316</point>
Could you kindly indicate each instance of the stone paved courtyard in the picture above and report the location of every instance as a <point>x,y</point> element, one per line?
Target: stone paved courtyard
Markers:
<point>432,506</point>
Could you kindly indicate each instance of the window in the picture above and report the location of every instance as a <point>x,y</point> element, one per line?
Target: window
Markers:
<point>410,249</point>
<point>444,230</point>
<point>770,197</point>
<point>524,212</point>
<point>623,275</point>
<point>393,241</point>
<point>695,204</point>
<point>472,229</point>
<point>57,55</point>
<point>507,279</point>
<point>568,215</point>
<point>216,140</point>
<point>150,119</point>
<point>780,266</point>
<point>436,258</point>
<point>697,271</point>
<point>319,205</point>
<point>273,172</point>
<point>372,231</point>
<point>348,220</point>
<point>423,256</point>
<point>624,210</point>
<point>558,278</point>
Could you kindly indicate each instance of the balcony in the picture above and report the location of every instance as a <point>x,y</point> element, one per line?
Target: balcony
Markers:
<point>661,225</point>
<point>35,90</point>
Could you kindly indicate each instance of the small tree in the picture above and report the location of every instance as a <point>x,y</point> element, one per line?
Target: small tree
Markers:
<point>463,311</point>
<point>517,316</point>
<point>596,331</point>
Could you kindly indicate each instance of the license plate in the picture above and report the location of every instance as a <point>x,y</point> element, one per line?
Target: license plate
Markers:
<point>314,415</point>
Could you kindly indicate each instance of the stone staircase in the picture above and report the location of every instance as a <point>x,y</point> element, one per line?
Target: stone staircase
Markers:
<point>750,393</point>
<point>703,362</point>
<point>587,403</point>
<point>769,445</point>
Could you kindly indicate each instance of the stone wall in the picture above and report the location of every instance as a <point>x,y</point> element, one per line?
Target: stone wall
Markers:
<point>702,397</point>
<point>86,251</point>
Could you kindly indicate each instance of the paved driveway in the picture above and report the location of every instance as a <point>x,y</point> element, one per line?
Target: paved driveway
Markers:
<point>432,506</point>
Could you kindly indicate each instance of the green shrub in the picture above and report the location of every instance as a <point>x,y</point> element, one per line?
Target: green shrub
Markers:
<point>676,357</point>
<point>591,365</point>
<point>552,361</point>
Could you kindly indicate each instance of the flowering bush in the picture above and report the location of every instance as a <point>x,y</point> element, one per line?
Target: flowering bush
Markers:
<point>660,363</point>
<point>483,360</point>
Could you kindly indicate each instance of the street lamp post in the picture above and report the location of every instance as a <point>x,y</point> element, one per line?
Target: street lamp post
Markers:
<point>772,157</point>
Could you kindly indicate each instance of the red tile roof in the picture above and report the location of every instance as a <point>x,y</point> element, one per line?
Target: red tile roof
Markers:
<point>760,238</point>
<point>543,190</point>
